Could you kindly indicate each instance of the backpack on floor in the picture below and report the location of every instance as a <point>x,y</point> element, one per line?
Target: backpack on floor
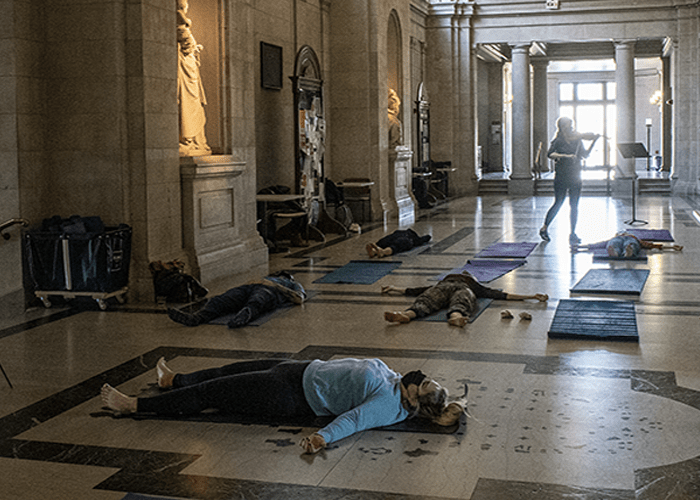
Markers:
<point>174,285</point>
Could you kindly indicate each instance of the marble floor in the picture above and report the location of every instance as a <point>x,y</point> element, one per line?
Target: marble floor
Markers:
<point>551,419</point>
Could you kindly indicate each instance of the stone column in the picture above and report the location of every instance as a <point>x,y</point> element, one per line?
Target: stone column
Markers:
<point>539,109</point>
<point>666,116</point>
<point>625,103</point>
<point>521,143</point>
<point>450,85</point>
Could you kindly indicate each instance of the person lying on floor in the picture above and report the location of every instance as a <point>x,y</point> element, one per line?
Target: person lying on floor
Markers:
<point>626,246</point>
<point>456,292</point>
<point>248,302</point>
<point>361,393</point>
<point>401,240</point>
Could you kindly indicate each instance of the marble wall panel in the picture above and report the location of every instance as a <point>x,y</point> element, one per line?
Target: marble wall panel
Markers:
<point>92,21</point>
<point>30,95</point>
<point>9,174</point>
<point>161,130</point>
<point>80,59</point>
<point>160,97</point>
<point>30,136</point>
<point>93,95</point>
<point>8,104</point>
<point>28,18</point>
<point>8,132</point>
<point>85,132</point>
<point>29,57</point>
<point>159,24</point>
<point>161,197</point>
<point>164,236</point>
<point>160,61</point>
<point>8,61</point>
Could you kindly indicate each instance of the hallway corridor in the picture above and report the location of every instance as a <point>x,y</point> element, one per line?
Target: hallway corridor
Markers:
<point>552,419</point>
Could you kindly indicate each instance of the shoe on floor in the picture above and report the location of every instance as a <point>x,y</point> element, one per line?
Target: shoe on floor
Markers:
<point>544,234</point>
<point>184,318</point>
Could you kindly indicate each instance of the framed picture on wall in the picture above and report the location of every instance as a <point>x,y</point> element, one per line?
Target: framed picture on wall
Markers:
<point>270,66</point>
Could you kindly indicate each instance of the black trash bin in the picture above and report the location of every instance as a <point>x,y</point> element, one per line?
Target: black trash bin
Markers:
<point>63,260</point>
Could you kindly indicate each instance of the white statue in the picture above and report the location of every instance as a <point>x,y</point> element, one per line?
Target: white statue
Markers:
<point>190,92</point>
<point>395,128</point>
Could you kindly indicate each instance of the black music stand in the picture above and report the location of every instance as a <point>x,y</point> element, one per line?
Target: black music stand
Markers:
<point>633,150</point>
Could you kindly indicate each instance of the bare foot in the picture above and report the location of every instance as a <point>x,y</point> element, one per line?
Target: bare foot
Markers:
<point>397,317</point>
<point>542,297</point>
<point>370,250</point>
<point>388,288</point>
<point>117,401</point>
<point>165,374</point>
<point>457,320</point>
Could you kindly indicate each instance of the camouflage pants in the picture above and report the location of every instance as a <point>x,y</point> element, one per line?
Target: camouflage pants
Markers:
<point>453,295</point>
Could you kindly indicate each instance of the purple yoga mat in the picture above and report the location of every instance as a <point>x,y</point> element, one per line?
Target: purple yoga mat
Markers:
<point>485,270</point>
<point>652,234</point>
<point>507,250</point>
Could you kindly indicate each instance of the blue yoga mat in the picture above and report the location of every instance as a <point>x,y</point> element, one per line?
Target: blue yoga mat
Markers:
<point>652,234</point>
<point>602,254</point>
<point>441,316</point>
<point>594,320</point>
<point>360,272</point>
<point>485,270</point>
<point>507,250</point>
<point>608,281</point>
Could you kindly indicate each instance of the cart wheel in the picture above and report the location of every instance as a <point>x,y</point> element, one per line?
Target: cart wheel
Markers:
<point>45,300</point>
<point>102,304</point>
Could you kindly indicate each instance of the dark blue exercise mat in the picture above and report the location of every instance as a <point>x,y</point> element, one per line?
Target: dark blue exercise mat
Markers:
<point>602,254</point>
<point>651,234</point>
<point>507,250</point>
<point>485,270</point>
<point>262,319</point>
<point>139,496</point>
<point>360,272</point>
<point>595,320</point>
<point>441,316</point>
<point>409,425</point>
<point>623,281</point>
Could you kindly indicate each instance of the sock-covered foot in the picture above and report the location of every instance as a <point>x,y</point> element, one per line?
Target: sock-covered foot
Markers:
<point>397,317</point>
<point>241,319</point>
<point>117,401</point>
<point>184,318</point>
<point>457,320</point>
<point>165,374</point>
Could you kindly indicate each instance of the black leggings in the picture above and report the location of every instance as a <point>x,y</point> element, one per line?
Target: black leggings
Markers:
<point>402,240</point>
<point>561,186</point>
<point>267,387</point>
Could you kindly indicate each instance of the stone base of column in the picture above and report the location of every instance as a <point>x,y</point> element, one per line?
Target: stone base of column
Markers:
<point>404,203</point>
<point>521,187</point>
<point>219,234</point>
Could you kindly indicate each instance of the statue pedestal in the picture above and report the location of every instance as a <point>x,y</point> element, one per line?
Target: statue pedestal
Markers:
<point>400,158</point>
<point>218,217</point>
